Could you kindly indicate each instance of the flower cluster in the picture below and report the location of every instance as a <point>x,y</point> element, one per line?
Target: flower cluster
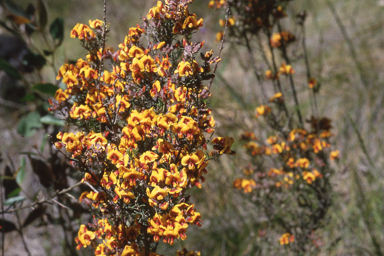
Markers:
<point>250,17</point>
<point>290,170</point>
<point>303,156</point>
<point>143,124</point>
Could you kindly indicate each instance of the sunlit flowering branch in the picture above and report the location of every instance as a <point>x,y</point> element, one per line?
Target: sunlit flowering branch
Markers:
<point>142,126</point>
<point>290,172</point>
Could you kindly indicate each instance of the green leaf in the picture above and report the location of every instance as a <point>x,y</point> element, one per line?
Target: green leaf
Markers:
<point>9,69</point>
<point>28,97</point>
<point>14,8</point>
<point>13,200</point>
<point>49,89</point>
<point>34,60</point>
<point>49,119</point>
<point>21,172</point>
<point>57,30</point>
<point>43,142</point>
<point>30,11</point>
<point>29,124</point>
<point>43,17</point>
<point>14,192</point>
<point>28,153</point>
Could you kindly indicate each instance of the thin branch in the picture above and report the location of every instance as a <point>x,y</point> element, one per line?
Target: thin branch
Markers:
<point>2,210</point>
<point>287,60</point>
<point>103,43</point>
<point>20,230</point>
<point>51,198</point>
<point>221,44</point>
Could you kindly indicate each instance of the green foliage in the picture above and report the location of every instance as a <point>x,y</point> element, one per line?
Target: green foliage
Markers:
<point>29,124</point>
<point>57,31</point>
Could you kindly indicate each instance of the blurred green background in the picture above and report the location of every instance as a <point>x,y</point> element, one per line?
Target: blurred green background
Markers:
<point>346,57</point>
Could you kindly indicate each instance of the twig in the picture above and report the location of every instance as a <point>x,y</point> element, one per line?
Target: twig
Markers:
<point>37,202</point>
<point>103,43</point>
<point>285,55</point>
<point>20,230</point>
<point>221,45</point>
<point>2,210</point>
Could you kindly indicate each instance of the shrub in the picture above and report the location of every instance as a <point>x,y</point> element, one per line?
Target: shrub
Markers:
<point>142,119</point>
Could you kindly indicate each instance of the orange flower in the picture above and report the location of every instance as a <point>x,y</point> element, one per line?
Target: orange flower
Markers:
<point>334,155</point>
<point>286,239</point>
<point>286,69</point>
<point>114,156</point>
<point>96,23</point>
<point>223,145</point>
<point>302,163</point>
<point>263,110</point>
<point>312,83</point>
<point>148,157</point>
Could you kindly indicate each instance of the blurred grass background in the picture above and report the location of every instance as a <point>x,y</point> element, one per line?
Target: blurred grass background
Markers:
<point>352,96</point>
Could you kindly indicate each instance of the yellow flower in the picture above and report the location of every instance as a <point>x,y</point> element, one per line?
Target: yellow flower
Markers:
<point>96,23</point>
<point>286,239</point>
<point>334,155</point>
<point>263,110</point>
<point>302,163</point>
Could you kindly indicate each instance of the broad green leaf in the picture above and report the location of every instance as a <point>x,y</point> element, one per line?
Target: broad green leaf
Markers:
<point>49,89</point>
<point>9,69</point>
<point>14,192</point>
<point>42,14</point>
<point>13,200</point>
<point>57,30</point>
<point>21,172</point>
<point>49,119</point>
<point>29,124</point>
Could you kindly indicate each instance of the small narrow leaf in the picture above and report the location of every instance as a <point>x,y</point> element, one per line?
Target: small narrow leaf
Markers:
<point>14,192</point>
<point>13,200</point>
<point>49,89</point>
<point>21,173</point>
<point>42,14</point>
<point>9,182</point>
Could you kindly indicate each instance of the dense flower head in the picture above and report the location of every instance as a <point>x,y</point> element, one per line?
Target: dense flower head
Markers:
<point>143,122</point>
